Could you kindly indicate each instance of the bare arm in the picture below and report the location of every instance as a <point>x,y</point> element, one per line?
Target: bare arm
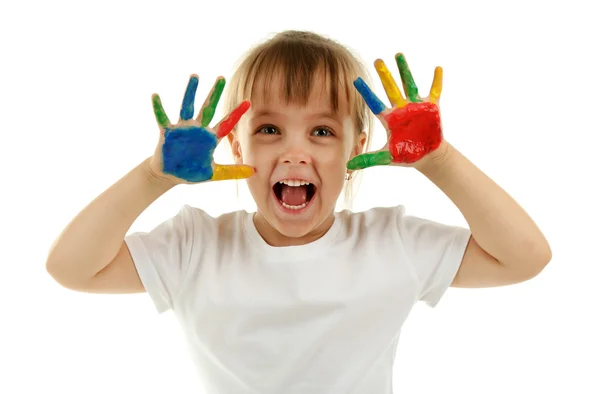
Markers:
<point>94,238</point>
<point>506,247</point>
<point>90,254</point>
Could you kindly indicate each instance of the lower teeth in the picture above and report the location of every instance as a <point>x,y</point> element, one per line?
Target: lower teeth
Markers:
<point>293,206</point>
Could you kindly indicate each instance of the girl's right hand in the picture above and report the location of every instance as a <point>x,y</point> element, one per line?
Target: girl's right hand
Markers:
<point>184,154</point>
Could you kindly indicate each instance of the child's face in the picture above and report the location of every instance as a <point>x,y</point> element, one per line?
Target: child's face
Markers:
<point>296,144</point>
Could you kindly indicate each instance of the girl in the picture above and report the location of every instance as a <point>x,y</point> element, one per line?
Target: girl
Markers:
<point>296,297</point>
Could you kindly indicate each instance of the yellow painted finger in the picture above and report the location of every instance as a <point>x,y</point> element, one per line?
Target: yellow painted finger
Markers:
<point>224,172</point>
<point>436,86</point>
<point>390,86</point>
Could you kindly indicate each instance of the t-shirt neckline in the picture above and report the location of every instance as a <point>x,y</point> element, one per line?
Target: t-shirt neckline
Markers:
<point>294,252</point>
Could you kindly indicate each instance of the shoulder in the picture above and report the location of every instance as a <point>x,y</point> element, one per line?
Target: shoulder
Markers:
<point>189,223</point>
<point>394,221</point>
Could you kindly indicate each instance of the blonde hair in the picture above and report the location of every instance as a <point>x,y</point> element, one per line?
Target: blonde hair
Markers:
<point>297,56</point>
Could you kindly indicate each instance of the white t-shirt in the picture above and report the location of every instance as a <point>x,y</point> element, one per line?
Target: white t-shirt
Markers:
<point>318,318</point>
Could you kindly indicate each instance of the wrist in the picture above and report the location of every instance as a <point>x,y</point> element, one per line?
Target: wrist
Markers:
<point>161,182</point>
<point>431,164</point>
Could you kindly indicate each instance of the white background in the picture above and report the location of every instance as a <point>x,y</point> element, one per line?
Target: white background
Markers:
<point>520,100</point>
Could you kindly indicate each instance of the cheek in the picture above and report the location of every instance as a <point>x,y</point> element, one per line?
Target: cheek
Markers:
<point>334,162</point>
<point>256,186</point>
<point>255,155</point>
<point>332,169</point>
<point>247,151</point>
<point>263,162</point>
<point>333,159</point>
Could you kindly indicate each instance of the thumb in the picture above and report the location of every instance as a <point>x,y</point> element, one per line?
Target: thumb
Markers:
<point>366,160</point>
<point>232,171</point>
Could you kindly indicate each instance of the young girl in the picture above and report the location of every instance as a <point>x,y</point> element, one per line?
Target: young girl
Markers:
<point>296,297</point>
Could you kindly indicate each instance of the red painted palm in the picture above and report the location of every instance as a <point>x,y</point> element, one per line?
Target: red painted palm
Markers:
<point>413,123</point>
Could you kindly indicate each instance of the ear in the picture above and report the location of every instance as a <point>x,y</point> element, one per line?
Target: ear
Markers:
<point>360,144</point>
<point>358,148</point>
<point>236,148</point>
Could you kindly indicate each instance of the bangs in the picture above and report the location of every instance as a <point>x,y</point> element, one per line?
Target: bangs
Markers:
<point>290,66</point>
<point>292,69</point>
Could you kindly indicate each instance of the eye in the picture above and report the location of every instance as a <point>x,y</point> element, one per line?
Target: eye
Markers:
<point>267,129</point>
<point>322,132</point>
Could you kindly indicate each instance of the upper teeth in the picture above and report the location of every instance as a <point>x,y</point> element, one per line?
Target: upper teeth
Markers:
<point>294,182</point>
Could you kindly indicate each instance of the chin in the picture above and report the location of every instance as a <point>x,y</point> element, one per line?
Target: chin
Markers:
<point>295,222</point>
<point>301,222</point>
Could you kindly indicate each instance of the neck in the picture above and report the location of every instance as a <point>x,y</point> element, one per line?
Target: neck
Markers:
<point>275,238</point>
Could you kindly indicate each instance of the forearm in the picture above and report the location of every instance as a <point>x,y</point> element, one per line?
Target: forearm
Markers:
<point>93,238</point>
<point>497,222</point>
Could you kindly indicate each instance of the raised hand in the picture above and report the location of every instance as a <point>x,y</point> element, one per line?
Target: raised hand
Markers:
<point>413,123</point>
<point>185,150</point>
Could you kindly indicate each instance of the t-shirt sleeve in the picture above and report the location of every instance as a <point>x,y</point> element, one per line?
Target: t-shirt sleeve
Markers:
<point>435,251</point>
<point>162,257</point>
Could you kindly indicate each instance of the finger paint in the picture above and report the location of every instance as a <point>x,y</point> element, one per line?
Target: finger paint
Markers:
<point>159,112</point>
<point>187,107</point>
<point>224,172</point>
<point>408,83</point>
<point>370,98</point>
<point>234,117</point>
<point>436,85</point>
<point>188,153</point>
<point>366,160</point>
<point>415,131</point>
<point>389,84</point>
<point>209,111</point>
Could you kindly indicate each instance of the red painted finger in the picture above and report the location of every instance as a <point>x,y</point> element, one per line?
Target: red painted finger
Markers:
<point>229,123</point>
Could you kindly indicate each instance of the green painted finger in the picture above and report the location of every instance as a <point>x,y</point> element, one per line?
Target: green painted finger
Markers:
<point>367,160</point>
<point>159,112</point>
<point>410,87</point>
<point>209,111</point>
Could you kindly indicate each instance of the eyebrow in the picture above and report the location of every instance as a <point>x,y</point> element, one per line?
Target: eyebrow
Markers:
<point>323,114</point>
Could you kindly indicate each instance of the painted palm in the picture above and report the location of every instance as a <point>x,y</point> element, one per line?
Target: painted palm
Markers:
<point>189,145</point>
<point>413,123</point>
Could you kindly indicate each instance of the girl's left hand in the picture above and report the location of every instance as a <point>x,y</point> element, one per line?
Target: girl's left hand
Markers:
<point>413,123</point>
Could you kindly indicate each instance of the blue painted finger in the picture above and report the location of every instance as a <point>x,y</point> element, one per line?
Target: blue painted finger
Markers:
<point>187,107</point>
<point>370,98</point>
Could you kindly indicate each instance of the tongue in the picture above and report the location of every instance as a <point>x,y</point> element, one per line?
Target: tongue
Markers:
<point>293,195</point>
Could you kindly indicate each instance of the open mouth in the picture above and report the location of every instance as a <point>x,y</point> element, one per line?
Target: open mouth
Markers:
<point>294,194</point>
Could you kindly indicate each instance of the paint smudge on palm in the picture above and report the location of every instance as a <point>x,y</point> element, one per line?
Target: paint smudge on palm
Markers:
<point>414,125</point>
<point>187,151</point>
<point>415,131</point>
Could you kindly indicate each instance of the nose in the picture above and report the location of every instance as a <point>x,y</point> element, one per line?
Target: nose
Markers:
<point>296,152</point>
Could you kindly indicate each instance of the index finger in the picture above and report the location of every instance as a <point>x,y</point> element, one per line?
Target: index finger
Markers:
<point>226,125</point>
<point>370,98</point>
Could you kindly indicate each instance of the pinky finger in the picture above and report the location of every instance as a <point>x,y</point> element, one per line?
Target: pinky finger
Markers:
<point>436,85</point>
<point>224,172</point>
<point>226,125</point>
<point>159,112</point>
